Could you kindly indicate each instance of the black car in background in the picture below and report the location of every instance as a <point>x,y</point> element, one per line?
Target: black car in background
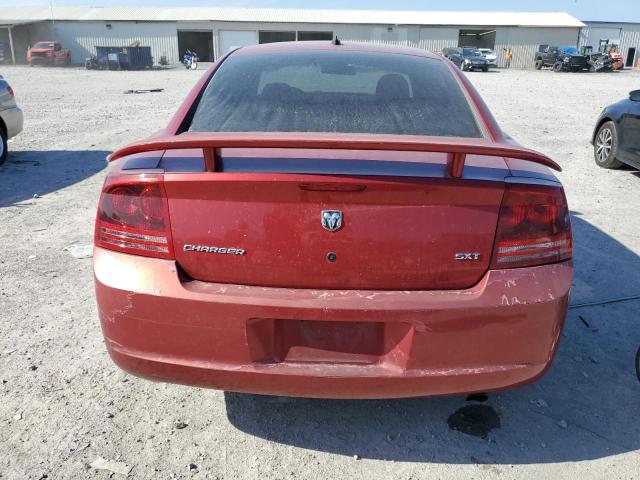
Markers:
<point>561,59</point>
<point>467,58</point>
<point>616,138</point>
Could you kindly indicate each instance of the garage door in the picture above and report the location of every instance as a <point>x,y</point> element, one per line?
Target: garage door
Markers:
<point>230,39</point>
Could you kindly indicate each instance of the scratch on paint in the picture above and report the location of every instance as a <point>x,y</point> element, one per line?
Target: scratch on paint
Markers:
<point>120,312</point>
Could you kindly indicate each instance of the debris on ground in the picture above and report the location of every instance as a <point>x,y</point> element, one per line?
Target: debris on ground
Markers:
<point>181,425</point>
<point>583,320</point>
<point>539,403</point>
<point>80,449</point>
<point>111,466</point>
<point>17,416</point>
<point>151,90</point>
<point>80,251</point>
<point>563,424</point>
<point>192,467</point>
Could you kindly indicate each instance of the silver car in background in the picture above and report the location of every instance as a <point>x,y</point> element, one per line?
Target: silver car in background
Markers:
<point>491,57</point>
<point>10,117</point>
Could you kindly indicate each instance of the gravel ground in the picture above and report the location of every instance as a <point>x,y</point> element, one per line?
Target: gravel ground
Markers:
<point>63,404</point>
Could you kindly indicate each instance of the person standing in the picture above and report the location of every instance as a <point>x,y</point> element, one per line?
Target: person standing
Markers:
<point>508,56</point>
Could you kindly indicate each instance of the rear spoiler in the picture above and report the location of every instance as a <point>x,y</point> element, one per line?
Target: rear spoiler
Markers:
<point>456,148</point>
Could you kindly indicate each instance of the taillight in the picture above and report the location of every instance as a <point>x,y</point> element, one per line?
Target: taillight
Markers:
<point>133,216</point>
<point>534,227</point>
<point>11,92</point>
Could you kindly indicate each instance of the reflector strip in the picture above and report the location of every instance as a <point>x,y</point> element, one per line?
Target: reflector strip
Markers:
<point>534,246</point>
<point>133,236</point>
<point>139,246</point>
<point>532,256</point>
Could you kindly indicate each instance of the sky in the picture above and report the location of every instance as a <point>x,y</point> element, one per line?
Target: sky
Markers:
<point>591,10</point>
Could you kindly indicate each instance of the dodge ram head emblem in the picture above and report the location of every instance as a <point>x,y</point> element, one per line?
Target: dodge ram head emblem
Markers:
<point>332,220</point>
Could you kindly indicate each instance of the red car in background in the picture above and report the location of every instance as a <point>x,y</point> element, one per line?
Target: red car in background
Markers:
<point>48,53</point>
<point>333,220</point>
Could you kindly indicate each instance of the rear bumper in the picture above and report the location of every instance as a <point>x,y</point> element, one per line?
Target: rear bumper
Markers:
<point>40,59</point>
<point>13,119</point>
<point>501,333</point>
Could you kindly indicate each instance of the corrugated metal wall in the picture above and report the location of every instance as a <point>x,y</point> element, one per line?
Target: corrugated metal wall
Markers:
<point>627,33</point>
<point>630,38</point>
<point>524,42</point>
<point>437,38</point>
<point>82,37</point>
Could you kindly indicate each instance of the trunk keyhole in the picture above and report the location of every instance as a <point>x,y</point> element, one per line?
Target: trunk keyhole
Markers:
<point>331,257</point>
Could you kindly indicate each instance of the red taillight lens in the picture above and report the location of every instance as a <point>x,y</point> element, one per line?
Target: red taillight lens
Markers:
<point>534,227</point>
<point>133,216</point>
<point>11,92</point>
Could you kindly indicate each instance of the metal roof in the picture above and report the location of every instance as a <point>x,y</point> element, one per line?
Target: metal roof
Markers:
<point>287,15</point>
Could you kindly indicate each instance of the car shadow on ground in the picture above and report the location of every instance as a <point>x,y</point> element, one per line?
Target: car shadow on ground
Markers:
<point>29,173</point>
<point>586,407</point>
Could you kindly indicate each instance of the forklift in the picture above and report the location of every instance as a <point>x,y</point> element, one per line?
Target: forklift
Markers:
<point>612,48</point>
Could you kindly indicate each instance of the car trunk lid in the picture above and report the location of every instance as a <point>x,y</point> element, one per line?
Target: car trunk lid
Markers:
<point>334,216</point>
<point>280,220</point>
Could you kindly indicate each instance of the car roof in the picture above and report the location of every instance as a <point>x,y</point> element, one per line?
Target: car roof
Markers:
<point>326,45</point>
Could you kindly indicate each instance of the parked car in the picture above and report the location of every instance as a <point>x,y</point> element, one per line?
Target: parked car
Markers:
<point>48,53</point>
<point>616,138</point>
<point>609,53</point>
<point>10,118</point>
<point>561,59</point>
<point>333,220</point>
<point>467,58</point>
<point>599,62</point>
<point>491,57</point>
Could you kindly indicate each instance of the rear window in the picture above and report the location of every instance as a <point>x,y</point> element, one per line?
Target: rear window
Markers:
<point>471,52</point>
<point>345,92</point>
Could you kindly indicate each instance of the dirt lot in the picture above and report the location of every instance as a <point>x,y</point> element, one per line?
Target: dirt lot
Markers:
<point>63,403</point>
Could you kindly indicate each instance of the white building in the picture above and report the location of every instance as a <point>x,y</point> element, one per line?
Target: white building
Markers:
<point>212,31</point>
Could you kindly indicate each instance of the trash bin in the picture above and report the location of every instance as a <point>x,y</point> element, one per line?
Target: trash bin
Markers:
<point>124,58</point>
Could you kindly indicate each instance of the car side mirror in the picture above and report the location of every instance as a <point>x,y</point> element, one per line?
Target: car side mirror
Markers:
<point>634,96</point>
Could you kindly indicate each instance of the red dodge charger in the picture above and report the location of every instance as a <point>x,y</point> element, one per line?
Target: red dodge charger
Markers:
<point>333,220</point>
